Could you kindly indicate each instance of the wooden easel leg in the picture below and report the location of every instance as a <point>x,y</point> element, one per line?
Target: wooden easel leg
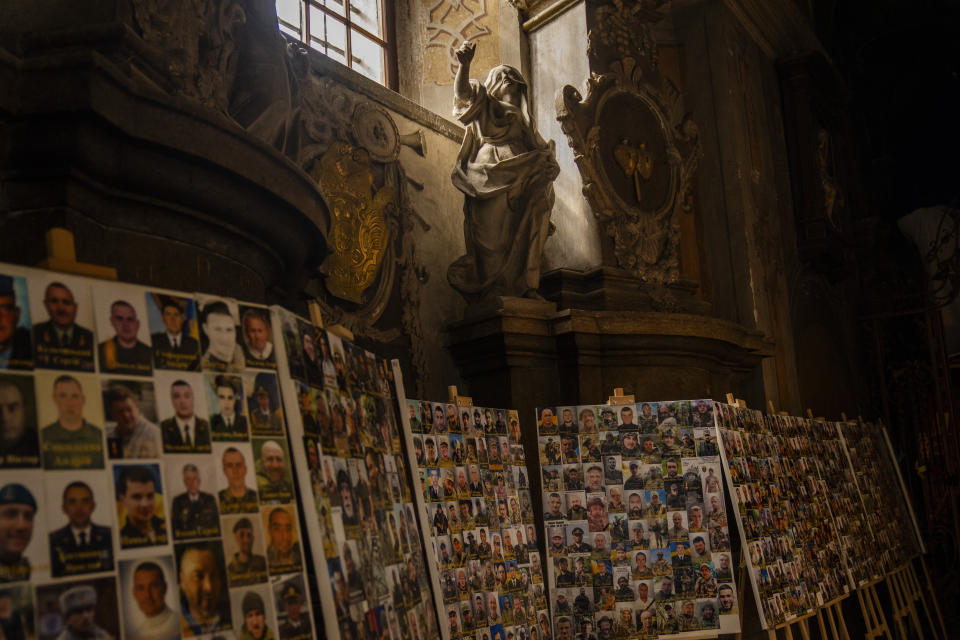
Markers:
<point>911,598</point>
<point>898,600</point>
<point>879,612</point>
<point>772,634</point>
<point>917,594</point>
<point>942,629</point>
<point>805,628</point>
<point>844,634</point>
<point>823,628</point>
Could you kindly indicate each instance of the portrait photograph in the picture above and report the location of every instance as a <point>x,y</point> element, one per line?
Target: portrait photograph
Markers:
<point>16,349</point>
<point>61,310</point>
<point>236,477</point>
<point>226,407</point>
<point>79,515</point>
<point>130,412</point>
<point>183,410</point>
<point>264,405</point>
<point>123,330</point>
<point>78,609</point>
<point>174,335</point>
<point>24,548</point>
<point>294,620</point>
<point>253,612</point>
<point>289,329</point>
<point>283,539</point>
<point>70,415</point>
<point>19,435</point>
<point>204,598</point>
<point>219,335</point>
<point>141,514</point>
<point>256,332</point>
<point>244,548</point>
<point>274,475</point>
<point>192,493</point>
<point>148,597</point>
<point>17,611</point>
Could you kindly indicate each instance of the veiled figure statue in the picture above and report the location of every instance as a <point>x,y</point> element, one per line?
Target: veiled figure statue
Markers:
<point>506,172</point>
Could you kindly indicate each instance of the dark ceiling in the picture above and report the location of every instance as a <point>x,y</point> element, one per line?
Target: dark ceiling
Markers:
<point>901,62</point>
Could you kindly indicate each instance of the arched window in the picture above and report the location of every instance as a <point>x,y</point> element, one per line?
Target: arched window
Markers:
<point>356,33</point>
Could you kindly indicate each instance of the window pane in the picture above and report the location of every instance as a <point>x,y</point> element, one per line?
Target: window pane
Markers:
<point>289,11</point>
<point>328,35</point>
<point>366,14</point>
<point>290,32</point>
<point>336,6</point>
<point>367,56</point>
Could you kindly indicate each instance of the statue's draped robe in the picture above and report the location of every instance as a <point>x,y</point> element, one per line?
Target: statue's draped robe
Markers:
<point>506,172</point>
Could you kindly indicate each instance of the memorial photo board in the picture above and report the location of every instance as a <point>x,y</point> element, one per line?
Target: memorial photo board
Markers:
<point>475,495</point>
<point>889,515</point>
<point>792,549</point>
<point>356,491</point>
<point>143,494</point>
<point>637,533</point>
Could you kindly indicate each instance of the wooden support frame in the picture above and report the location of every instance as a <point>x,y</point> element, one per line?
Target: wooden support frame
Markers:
<point>903,599</point>
<point>937,629</point>
<point>800,625</point>
<point>872,610</point>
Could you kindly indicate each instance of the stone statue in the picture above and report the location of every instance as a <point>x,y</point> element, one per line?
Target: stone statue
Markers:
<point>506,172</point>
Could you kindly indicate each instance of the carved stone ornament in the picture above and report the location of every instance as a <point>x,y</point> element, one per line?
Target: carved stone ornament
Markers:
<point>636,149</point>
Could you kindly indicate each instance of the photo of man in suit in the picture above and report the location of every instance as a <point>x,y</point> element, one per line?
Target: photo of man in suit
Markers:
<point>124,353</point>
<point>174,347</point>
<point>71,442</point>
<point>137,493</point>
<point>258,338</point>
<point>80,546</point>
<point>184,432</point>
<point>194,512</point>
<point>60,343</point>
<point>15,349</point>
<point>220,328</point>
<point>229,423</point>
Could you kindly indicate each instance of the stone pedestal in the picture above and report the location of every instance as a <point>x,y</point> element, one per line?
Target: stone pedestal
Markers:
<point>523,354</point>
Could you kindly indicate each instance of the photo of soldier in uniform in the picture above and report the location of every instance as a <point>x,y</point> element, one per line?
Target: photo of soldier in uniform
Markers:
<point>18,518</point>
<point>149,599</point>
<point>193,513</point>
<point>19,439</point>
<point>292,616</point>
<point>274,480</point>
<point>72,438</point>
<point>225,400</point>
<point>257,333</point>
<point>131,412</point>
<point>173,332</point>
<point>81,545</point>
<point>186,430</point>
<point>243,546</point>
<point>204,598</point>
<point>264,406</point>
<point>235,478</point>
<point>218,332</point>
<point>253,611</point>
<point>16,352</point>
<point>140,508</point>
<point>63,313</point>
<point>123,332</point>
<point>85,610</point>
<point>283,549</point>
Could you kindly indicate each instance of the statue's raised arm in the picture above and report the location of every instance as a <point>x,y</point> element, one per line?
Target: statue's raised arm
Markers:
<point>506,172</point>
